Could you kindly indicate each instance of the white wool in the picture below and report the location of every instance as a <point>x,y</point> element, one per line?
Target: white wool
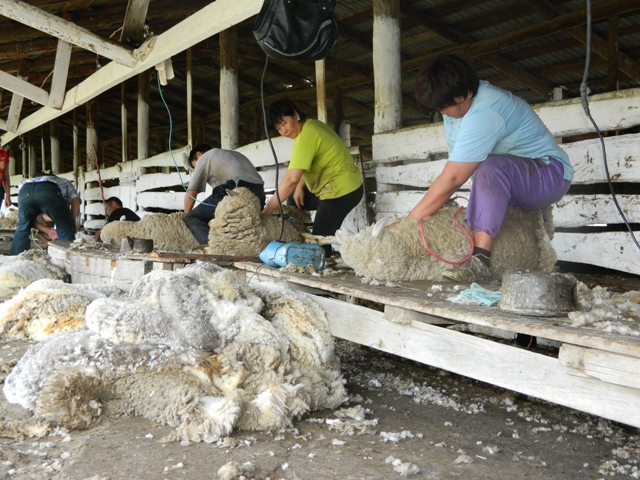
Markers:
<point>146,355</point>
<point>47,307</point>
<point>398,254</point>
<point>21,270</point>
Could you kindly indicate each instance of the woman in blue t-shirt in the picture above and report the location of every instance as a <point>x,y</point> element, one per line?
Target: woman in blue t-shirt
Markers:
<point>499,139</point>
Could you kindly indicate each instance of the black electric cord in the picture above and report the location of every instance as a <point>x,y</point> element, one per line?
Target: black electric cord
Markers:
<point>273,150</point>
<point>584,92</point>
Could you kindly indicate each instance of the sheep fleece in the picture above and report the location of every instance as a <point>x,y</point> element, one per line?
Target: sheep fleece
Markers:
<point>398,254</point>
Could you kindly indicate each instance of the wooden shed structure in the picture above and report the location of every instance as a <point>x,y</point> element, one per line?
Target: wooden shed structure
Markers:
<point>84,94</point>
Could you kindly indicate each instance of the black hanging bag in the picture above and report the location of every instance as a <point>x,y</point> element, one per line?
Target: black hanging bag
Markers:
<point>296,29</point>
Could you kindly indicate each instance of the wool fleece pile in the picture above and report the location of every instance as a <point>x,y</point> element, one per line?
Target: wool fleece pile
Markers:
<point>197,349</point>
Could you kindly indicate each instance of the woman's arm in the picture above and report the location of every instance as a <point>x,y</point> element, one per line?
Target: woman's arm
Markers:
<point>286,187</point>
<point>7,189</point>
<point>451,179</point>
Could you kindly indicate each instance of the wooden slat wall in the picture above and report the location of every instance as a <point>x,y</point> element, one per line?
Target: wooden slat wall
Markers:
<point>400,186</point>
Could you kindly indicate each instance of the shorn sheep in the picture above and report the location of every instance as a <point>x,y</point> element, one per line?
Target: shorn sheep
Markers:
<point>398,253</point>
<point>240,228</point>
<point>168,232</point>
<point>197,349</point>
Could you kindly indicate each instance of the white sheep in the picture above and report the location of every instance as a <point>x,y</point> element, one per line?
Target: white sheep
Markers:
<point>240,228</point>
<point>10,219</point>
<point>197,349</point>
<point>399,254</point>
<point>168,232</point>
<point>48,307</point>
<point>19,271</point>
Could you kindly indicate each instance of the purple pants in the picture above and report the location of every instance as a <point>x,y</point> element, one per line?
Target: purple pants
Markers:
<point>503,180</point>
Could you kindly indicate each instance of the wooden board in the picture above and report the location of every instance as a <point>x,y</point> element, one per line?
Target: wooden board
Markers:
<point>411,296</point>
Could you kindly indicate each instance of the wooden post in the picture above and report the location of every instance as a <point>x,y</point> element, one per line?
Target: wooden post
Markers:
<point>229,98</point>
<point>189,97</point>
<point>338,109</point>
<point>92,134</point>
<point>32,155</point>
<point>321,91</point>
<point>124,122</point>
<point>386,65</point>
<point>25,165</point>
<point>76,148</point>
<point>143,114</point>
<point>43,150</point>
<point>12,158</point>
<point>54,138</point>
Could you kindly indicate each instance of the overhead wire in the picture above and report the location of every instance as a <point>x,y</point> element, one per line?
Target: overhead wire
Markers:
<point>584,92</point>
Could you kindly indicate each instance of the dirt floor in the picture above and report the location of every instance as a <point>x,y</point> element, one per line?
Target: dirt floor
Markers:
<point>403,419</point>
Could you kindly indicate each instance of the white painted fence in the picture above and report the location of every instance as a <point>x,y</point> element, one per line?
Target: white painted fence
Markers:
<point>418,153</point>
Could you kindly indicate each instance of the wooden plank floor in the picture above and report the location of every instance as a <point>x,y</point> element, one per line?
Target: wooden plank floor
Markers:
<point>412,296</point>
<point>593,371</point>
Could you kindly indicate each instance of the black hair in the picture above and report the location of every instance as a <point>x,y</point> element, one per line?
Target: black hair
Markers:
<point>114,200</point>
<point>282,108</point>
<point>202,148</point>
<point>441,80</point>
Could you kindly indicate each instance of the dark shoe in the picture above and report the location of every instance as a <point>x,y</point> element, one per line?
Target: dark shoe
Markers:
<point>471,271</point>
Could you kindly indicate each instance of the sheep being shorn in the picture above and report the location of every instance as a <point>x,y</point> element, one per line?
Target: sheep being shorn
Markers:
<point>399,254</point>
<point>19,271</point>
<point>168,232</point>
<point>48,307</point>
<point>213,355</point>
<point>240,227</point>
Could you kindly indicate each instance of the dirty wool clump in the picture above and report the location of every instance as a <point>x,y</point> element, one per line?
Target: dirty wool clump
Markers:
<point>240,227</point>
<point>168,232</point>
<point>48,307</point>
<point>197,349</point>
<point>607,311</point>
<point>399,253</point>
<point>10,219</point>
<point>19,271</point>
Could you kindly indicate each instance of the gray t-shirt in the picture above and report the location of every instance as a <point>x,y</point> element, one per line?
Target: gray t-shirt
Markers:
<point>218,166</point>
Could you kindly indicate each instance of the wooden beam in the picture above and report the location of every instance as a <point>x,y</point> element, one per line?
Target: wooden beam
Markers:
<point>190,31</point>
<point>13,118</point>
<point>229,99</point>
<point>133,27</point>
<point>58,27</point>
<point>60,73</point>
<point>22,88</point>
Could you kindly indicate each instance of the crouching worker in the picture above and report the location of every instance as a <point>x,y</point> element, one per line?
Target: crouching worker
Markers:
<point>322,175</point>
<point>499,139</point>
<point>224,170</point>
<point>116,212</point>
<point>51,195</point>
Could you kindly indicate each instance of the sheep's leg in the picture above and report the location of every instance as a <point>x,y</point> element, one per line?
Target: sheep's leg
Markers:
<point>320,240</point>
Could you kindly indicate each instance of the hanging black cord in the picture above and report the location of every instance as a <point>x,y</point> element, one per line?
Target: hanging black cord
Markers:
<point>584,92</point>
<point>273,150</point>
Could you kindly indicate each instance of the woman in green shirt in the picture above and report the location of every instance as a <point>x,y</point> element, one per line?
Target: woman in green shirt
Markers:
<point>322,175</point>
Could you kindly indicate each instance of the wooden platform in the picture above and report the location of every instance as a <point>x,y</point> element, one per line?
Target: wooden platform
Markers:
<point>107,266</point>
<point>594,371</point>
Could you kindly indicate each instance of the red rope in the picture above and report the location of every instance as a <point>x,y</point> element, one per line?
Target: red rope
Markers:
<point>424,241</point>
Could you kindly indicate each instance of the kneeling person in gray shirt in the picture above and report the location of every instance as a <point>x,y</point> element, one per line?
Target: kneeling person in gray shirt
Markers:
<point>223,170</point>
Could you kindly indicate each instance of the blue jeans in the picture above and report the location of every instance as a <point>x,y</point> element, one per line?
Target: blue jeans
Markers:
<point>34,199</point>
<point>197,220</point>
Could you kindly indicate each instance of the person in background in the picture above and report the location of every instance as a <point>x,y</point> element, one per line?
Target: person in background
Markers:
<point>117,212</point>
<point>51,195</point>
<point>322,175</point>
<point>224,170</point>
<point>501,141</point>
<point>5,181</point>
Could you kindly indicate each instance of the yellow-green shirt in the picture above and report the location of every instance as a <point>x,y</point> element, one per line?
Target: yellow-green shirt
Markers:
<point>328,168</point>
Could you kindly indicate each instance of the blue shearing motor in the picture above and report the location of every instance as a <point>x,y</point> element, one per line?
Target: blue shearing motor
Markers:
<point>280,254</point>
